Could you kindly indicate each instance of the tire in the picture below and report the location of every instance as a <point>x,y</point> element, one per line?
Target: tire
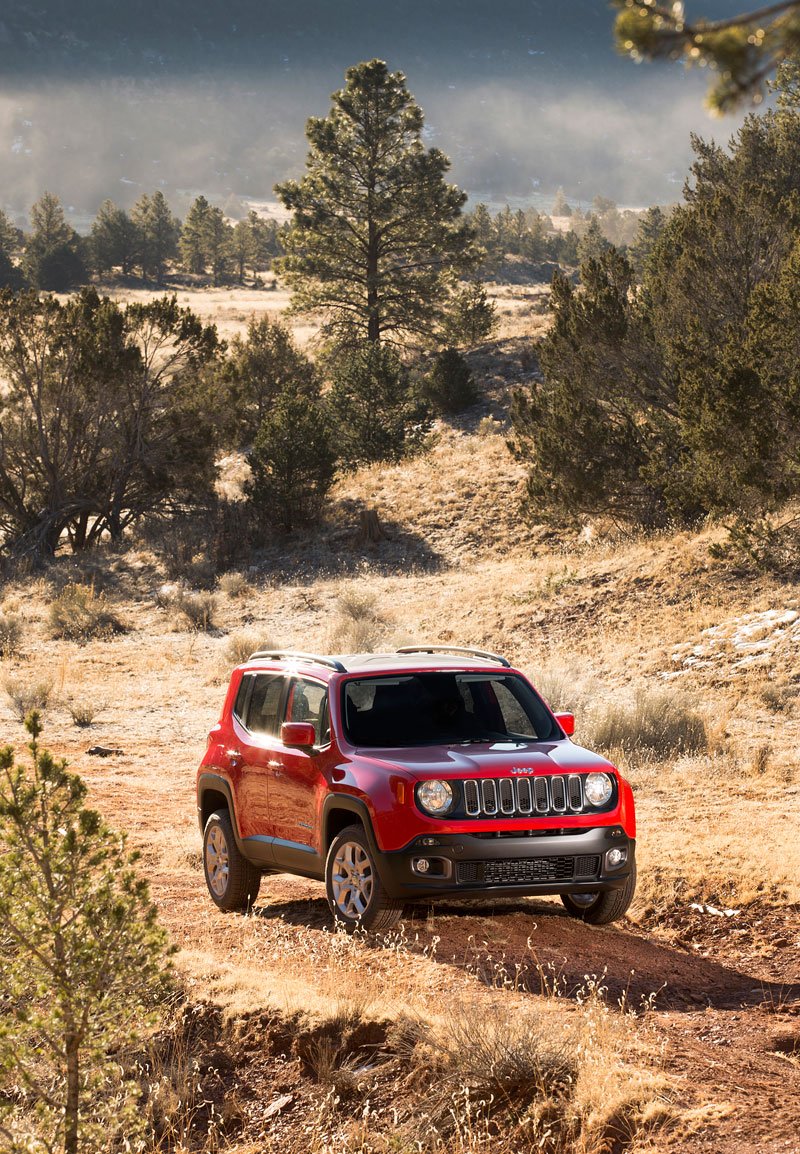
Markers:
<point>601,908</point>
<point>355,892</point>
<point>232,881</point>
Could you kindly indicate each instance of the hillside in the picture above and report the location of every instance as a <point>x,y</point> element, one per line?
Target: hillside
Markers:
<point>301,1036</point>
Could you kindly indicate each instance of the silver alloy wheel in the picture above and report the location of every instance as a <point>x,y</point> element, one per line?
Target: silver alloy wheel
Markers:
<point>352,880</point>
<point>217,862</point>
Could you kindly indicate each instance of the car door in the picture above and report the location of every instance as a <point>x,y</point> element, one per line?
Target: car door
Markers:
<point>258,750</point>
<point>299,786</point>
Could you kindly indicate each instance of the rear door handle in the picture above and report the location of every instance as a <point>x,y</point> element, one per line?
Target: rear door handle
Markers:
<point>234,757</point>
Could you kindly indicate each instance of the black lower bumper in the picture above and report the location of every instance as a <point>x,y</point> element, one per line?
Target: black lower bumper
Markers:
<point>466,865</point>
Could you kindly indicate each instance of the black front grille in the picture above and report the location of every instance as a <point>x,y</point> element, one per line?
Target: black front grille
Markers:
<point>528,871</point>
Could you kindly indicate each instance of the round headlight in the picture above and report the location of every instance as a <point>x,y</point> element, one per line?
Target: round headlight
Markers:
<point>598,788</point>
<point>435,797</point>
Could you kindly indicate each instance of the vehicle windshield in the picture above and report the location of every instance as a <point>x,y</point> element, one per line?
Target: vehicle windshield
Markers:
<point>444,709</point>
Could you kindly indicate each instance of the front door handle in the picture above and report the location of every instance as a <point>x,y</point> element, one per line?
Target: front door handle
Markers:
<point>276,767</point>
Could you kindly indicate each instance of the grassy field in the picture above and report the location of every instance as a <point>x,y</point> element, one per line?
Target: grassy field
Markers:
<point>648,1035</point>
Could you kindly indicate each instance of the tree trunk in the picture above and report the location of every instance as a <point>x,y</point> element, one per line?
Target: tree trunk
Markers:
<point>72,1103</point>
<point>370,530</point>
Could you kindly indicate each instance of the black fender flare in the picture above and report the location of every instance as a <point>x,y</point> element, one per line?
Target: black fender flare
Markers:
<point>207,781</point>
<point>354,805</point>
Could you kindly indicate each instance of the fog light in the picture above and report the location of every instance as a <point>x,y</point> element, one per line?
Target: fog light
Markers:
<point>615,858</point>
<point>423,865</point>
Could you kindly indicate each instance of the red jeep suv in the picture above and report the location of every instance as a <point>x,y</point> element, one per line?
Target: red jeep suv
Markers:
<point>423,773</point>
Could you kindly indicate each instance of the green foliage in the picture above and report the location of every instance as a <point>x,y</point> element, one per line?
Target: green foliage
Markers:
<point>449,386</point>
<point>293,458</point>
<point>378,417</point>
<point>115,240</point>
<point>472,318</point>
<point>105,416</point>
<point>10,276</point>
<point>594,427</point>
<point>52,257</point>
<point>593,243</point>
<point>82,962</point>
<point>11,634</point>
<point>206,240</point>
<point>158,233</point>
<point>377,234</point>
<point>742,50</point>
<point>682,398</point>
<point>258,370</point>
<point>651,225</point>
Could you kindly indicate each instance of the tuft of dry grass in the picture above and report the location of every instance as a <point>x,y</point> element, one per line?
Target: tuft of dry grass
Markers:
<point>11,631</point>
<point>240,645</point>
<point>660,722</point>
<point>359,625</point>
<point>83,711</point>
<point>81,614</point>
<point>198,610</point>
<point>234,584</point>
<point>26,694</point>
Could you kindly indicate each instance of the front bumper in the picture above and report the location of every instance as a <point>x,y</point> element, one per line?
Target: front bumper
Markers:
<point>466,865</point>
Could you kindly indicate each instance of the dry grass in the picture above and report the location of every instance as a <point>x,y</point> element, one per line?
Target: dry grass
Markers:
<point>25,694</point>
<point>79,613</point>
<point>197,610</point>
<point>11,634</point>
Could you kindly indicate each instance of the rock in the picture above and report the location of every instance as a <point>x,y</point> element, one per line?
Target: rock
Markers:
<point>103,751</point>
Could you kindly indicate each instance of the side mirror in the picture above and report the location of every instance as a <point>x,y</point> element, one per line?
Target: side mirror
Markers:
<point>300,734</point>
<point>567,722</point>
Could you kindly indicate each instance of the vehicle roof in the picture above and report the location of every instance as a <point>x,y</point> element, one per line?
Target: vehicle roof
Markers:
<point>379,662</point>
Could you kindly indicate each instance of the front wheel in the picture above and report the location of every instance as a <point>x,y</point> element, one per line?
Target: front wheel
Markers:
<point>601,908</point>
<point>355,891</point>
<point>232,881</point>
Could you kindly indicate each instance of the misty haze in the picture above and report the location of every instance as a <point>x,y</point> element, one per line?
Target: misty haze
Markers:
<point>103,102</point>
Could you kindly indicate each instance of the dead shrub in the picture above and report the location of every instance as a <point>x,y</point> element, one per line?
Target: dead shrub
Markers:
<point>10,634</point>
<point>83,711</point>
<point>241,645</point>
<point>26,695</point>
<point>81,614</point>
<point>359,626</point>
<point>659,722</point>
<point>198,610</point>
<point>234,584</point>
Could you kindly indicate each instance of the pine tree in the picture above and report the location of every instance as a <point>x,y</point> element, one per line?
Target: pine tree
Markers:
<point>159,232</point>
<point>9,273</point>
<point>377,233</point>
<point>52,259</point>
<point>293,458</point>
<point>592,244</point>
<point>260,368</point>
<point>115,240</point>
<point>82,960</point>
<point>378,416</point>
<point>194,236</point>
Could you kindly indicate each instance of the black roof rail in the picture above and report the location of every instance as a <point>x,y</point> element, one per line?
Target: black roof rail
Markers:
<point>295,655</point>
<point>456,649</point>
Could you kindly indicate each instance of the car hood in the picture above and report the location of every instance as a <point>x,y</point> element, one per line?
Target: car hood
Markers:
<point>499,760</point>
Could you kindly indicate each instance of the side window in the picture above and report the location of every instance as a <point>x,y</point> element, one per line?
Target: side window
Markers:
<point>262,713</point>
<point>308,701</point>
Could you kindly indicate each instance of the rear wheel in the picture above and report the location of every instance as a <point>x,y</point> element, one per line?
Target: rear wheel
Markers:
<point>232,881</point>
<point>602,907</point>
<point>355,891</point>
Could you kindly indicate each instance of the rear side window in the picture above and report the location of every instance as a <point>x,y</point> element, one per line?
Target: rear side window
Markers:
<point>264,704</point>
